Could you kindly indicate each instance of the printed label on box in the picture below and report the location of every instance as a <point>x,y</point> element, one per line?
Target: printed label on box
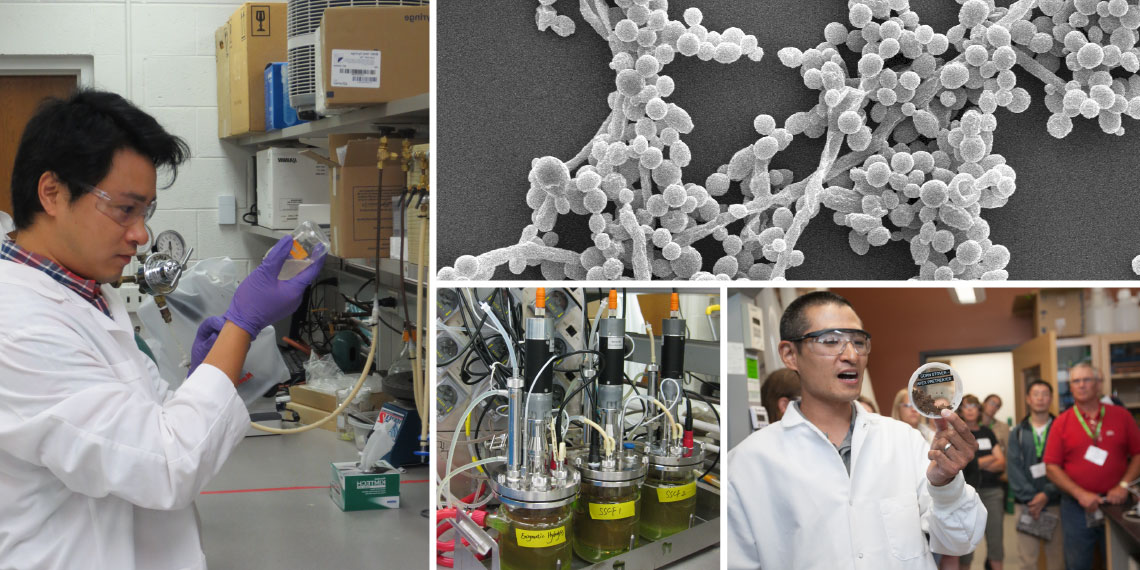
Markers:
<point>540,538</point>
<point>355,68</point>
<point>288,208</point>
<point>365,201</point>
<point>260,24</point>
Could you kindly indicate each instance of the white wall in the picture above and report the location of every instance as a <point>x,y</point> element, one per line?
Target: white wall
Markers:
<point>985,374</point>
<point>160,55</point>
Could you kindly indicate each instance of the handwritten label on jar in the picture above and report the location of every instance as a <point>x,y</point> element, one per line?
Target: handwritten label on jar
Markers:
<point>541,538</point>
<point>678,493</point>
<point>611,511</point>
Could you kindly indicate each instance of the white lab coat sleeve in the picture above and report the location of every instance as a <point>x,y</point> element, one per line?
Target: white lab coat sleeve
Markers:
<point>98,427</point>
<point>743,542</point>
<point>161,386</point>
<point>953,514</point>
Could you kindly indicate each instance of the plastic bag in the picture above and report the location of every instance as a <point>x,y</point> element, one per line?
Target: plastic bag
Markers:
<point>204,290</point>
<point>322,373</point>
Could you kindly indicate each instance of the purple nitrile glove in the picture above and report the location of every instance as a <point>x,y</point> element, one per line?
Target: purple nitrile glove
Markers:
<point>262,299</point>
<point>204,341</point>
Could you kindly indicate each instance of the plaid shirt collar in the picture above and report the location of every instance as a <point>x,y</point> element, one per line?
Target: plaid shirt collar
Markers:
<point>85,288</point>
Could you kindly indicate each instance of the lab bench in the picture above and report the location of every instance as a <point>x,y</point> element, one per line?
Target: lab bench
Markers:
<point>269,507</point>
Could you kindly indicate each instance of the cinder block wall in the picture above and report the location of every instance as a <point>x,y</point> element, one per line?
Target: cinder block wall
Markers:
<point>160,55</point>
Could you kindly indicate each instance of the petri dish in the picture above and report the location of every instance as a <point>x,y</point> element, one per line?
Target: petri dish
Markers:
<point>934,387</point>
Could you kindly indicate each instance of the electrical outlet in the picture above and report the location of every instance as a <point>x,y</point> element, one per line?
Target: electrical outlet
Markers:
<point>132,297</point>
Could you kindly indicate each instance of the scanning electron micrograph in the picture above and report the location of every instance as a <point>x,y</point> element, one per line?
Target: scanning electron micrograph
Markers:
<point>872,139</point>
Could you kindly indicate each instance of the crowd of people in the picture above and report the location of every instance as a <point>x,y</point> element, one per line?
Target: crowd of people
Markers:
<point>1058,469</point>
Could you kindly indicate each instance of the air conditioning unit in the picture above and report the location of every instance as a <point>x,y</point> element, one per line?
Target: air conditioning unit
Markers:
<point>304,17</point>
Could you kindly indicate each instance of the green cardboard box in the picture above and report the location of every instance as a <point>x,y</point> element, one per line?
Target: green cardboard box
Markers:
<point>353,490</point>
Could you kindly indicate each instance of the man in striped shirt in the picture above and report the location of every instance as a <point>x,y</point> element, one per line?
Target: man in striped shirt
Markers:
<point>100,461</point>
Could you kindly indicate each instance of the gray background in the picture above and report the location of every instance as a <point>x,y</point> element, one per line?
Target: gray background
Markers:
<point>508,93</point>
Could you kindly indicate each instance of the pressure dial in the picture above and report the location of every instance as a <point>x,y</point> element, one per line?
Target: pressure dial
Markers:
<point>171,243</point>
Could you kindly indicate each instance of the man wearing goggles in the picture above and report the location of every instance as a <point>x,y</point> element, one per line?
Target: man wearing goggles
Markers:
<point>100,461</point>
<point>868,485</point>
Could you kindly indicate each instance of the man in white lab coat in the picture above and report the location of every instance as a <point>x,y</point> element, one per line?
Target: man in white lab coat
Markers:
<point>833,486</point>
<point>100,461</point>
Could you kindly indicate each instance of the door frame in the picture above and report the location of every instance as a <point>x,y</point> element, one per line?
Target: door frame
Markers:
<point>82,67</point>
<point>922,356</point>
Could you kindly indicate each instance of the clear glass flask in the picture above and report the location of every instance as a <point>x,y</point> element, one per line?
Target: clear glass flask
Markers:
<point>605,519</point>
<point>534,538</point>
<point>309,246</point>
<point>668,503</point>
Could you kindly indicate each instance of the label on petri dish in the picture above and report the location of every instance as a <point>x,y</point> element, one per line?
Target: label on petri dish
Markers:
<point>935,387</point>
<point>541,538</point>
<point>678,493</point>
<point>611,511</point>
<point>934,377</point>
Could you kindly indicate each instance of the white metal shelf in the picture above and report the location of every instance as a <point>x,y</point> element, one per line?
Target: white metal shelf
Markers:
<point>412,111</point>
<point>388,266</point>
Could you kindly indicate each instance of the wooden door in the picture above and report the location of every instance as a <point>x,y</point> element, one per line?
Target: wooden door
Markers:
<point>20,95</point>
<point>1036,359</point>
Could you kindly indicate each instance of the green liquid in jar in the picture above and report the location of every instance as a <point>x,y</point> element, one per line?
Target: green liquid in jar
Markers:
<point>662,518</point>
<point>536,539</point>
<point>605,521</point>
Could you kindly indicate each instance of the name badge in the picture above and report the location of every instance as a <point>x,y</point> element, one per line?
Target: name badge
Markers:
<point>985,444</point>
<point>1096,455</point>
<point>1037,470</point>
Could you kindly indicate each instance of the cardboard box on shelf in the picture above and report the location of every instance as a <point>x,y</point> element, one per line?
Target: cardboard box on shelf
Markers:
<point>318,400</point>
<point>310,415</point>
<point>1060,311</point>
<point>252,38</point>
<point>285,180</point>
<point>371,54</point>
<point>416,218</point>
<point>222,46</point>
<point>356,203</point>
<point>279,114</point>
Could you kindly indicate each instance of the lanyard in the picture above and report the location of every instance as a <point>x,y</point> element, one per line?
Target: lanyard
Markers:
<point>1099,423</point>
<point>1039,440</point>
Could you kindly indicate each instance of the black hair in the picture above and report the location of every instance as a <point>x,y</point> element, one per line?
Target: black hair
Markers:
<point>1041,383</point>
<point>76,139</point>
<point>794,322</point>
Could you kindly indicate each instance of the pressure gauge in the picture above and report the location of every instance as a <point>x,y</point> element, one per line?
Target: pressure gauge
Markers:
<point>446,397</point>
<point>171,243</point>
<point>558,394</point>
<point>556,303</point>
<point>446,347</point>
<point>497,346</point>
<point>447,301</point>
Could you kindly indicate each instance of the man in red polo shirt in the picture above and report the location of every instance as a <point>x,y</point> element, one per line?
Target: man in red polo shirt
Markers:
<point>1092,453</point>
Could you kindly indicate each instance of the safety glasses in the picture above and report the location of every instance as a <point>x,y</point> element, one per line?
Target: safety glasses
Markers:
<point>125,211</point>
<point>833,342</point>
